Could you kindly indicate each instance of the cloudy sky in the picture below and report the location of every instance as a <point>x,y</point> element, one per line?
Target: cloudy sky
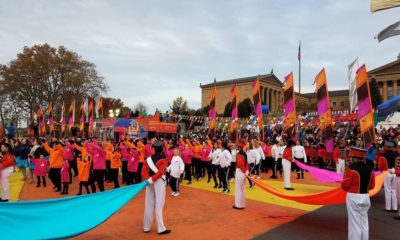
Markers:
<point>154,51</point>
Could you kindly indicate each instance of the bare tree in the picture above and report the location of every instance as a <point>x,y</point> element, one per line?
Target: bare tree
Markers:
<point>43,75</point>
<point>140,108</point>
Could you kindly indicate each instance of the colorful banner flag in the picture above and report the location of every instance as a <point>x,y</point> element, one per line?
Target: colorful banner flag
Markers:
<point>86,109</point>
<point>378,5</point>
<point>62,120</point>
<point>71,115</point>
<point>212,114</point>
<point>233,126</point>
<point>257,103</point>
<point>99,107</point>
<point>289,106</point>
<point>41,123</point>
<point>51,118</point>
<point>324,112</point>
<point>81,118</point>
<point>365,114</point>
<point>352,67</point>
<point>91,118</point>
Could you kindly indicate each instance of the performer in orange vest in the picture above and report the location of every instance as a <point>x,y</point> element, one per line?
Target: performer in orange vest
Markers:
<point>84,166</point>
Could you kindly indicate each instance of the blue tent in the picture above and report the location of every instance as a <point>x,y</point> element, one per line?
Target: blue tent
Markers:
<point>390,106</point>
<point>124,125</point>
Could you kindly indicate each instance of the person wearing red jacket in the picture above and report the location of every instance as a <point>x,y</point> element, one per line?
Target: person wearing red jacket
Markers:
<point>287,160</point>
<point>153,171</point>
<point>397,172</point>
<point>7,162</point>
<point>357,181</point>
<point>242,170</point>
<point>339,155</point>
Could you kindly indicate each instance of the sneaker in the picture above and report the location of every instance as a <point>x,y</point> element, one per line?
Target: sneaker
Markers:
<point>274,177</point>
<point>237,208</point>
<point>173,193</point>
<point>176,194</point>
<point>290,189</point>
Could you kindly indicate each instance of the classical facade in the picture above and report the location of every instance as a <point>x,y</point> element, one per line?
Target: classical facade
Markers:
<point>271,95</point>
<point>388,79</point>
<point>270,91</point>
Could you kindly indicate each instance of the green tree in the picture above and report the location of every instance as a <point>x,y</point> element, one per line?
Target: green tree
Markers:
<point>245,108</point>
<point>202,111</point>
<point>228,110</point>
<point>179,106</point>
<point>376,97</point>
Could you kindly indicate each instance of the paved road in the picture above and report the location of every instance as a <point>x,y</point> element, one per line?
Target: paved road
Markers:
<point>330,222</point>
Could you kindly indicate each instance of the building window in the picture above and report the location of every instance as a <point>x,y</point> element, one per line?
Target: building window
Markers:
<point>342,103</point>
<point>380,84</point>
<point>334,104</point>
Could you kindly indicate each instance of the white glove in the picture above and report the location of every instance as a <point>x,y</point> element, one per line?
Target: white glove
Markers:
<point>247,173</point>
<point>150,181</point>
<point>391,170</point>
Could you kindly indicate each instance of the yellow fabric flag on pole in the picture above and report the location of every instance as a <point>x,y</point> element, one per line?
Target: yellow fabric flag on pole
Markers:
<point>378,5</point>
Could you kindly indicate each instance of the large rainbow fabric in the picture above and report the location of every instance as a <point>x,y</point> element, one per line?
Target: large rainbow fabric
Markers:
<point>324,111</point>
<point>329,197</point>
<point>365,114</point>
<point>324,175</point>
<point>62,218</point>
<point>289,102</point>
<point>212,114</point>
<point>234,113</point>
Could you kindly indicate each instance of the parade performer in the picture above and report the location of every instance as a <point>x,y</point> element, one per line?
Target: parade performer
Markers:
<point>40,169</point>
<point>225,162</point>
<point>260,157</point>
<point>153,171</point>
<point>251,159</point>
<point>187,156</point>
<point>175,169</point>
<point>299,154</point>
<point>84,165</point>
<point>65,177</point>
<point>115,164</point>
<point>214,156</point>
<point>7,162</point>
<point>274,155</point>
<point>358,180</point>
<point>340,156</point>
<point>99,164</point>
<point>287,160</point>
<point>242,170</point>
<point>397,172</point>
<point>69,155</point>
<point>390,179</point>
<point>206,160</point>
<point>56,161</point>
<point>133,165</point>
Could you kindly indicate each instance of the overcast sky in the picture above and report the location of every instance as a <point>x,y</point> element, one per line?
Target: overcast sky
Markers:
<point>154,51</point>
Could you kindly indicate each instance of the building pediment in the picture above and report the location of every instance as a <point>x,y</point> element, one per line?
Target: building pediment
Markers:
<point>390,68</point>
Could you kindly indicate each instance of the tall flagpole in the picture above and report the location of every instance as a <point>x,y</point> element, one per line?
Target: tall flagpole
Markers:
<point>299,58</point>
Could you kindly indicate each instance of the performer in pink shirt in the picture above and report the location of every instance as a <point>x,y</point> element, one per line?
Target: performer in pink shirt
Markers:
<point>65,178</point>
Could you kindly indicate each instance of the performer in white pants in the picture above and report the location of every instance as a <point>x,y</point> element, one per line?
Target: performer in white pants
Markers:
<point>397,172</point>
<point>287,160</point>
<point>242,170</point>
<point>340,153</point>
<point>358,179</point>
<point>7,162</point>
<point>153,171</point>
<point>390,178</point>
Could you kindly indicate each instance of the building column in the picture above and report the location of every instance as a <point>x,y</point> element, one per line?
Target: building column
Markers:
<point>277,100</point>
<point>395,93</point>
<point>384,91</point>
<point>267,98</point>
<point>261,94</point>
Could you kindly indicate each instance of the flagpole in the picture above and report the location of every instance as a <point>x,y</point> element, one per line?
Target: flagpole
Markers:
<point>299,57</point>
